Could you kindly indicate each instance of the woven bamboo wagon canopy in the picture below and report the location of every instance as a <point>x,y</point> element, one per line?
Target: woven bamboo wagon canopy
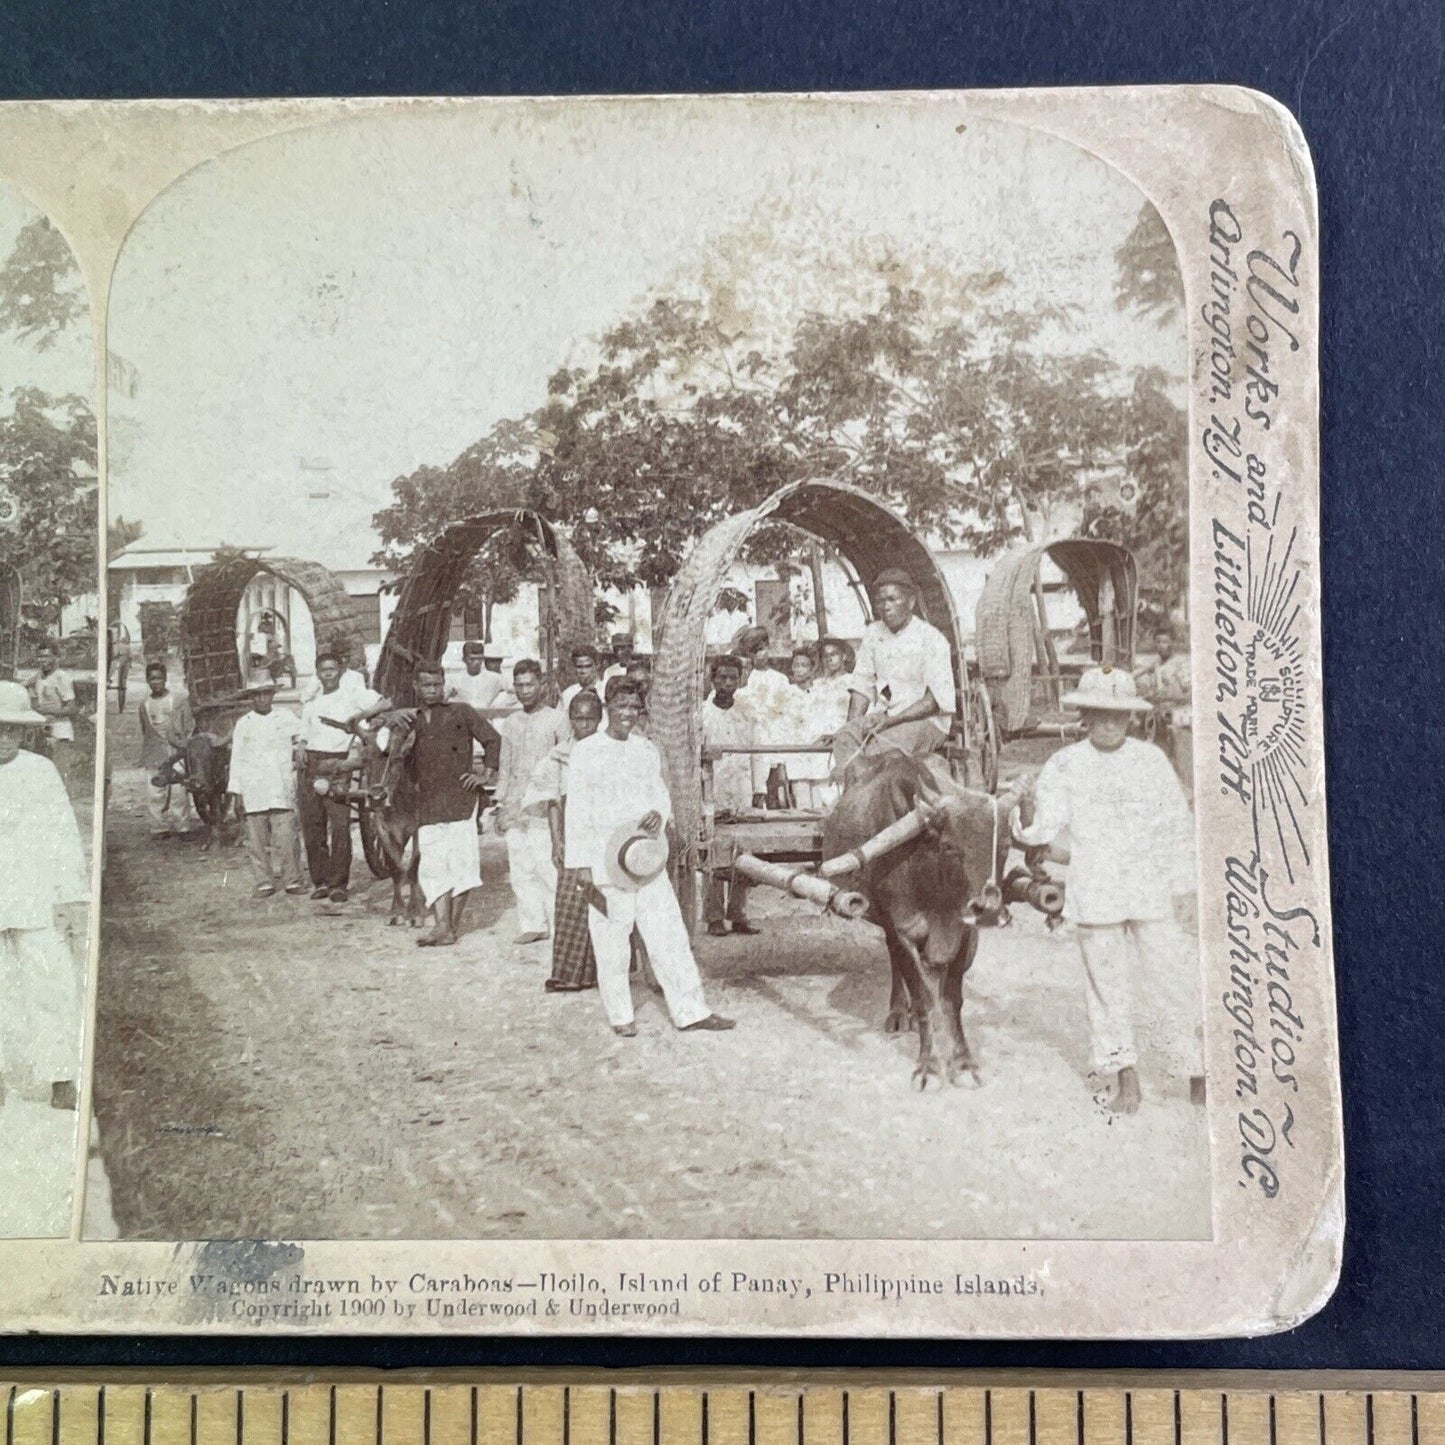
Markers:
<point>864,534</point>
<point>209,651</point>
<point>1104,577</point>
<point>11,595</point>
<point>422,622</point>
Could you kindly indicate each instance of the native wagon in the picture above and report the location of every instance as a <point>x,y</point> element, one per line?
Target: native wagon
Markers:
<point>216,646</point>
<point>422,624</point>
<point>782,847</point>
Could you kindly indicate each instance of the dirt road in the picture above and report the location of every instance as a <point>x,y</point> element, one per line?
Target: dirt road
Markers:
<point>279,1069</point>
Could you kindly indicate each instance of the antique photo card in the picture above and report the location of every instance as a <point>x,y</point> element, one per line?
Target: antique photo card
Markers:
<point>712,718</point>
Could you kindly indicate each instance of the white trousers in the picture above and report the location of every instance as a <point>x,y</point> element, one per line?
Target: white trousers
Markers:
<point>532,872</point>
<point>41,1013</point>
<point>653,911</point>
<point>1152,963</point>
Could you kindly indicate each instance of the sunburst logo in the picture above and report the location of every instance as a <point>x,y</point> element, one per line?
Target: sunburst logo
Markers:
<point>1273,697</point>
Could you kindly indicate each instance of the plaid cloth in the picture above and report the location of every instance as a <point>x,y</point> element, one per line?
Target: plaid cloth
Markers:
<point>573,963</point>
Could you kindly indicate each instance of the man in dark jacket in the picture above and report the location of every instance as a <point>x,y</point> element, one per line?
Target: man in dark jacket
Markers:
<point>441,763</point>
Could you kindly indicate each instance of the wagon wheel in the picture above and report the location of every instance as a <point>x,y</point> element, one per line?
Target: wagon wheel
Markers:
<point>371,847</point>
<point>982,758</point>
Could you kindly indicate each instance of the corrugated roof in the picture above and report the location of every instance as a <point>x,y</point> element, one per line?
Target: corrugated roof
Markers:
<point>134,558</point>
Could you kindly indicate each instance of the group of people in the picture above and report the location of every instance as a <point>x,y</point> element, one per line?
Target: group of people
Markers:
<point>583,807</point>
<point>585,832</point>
<point>1110,805</point>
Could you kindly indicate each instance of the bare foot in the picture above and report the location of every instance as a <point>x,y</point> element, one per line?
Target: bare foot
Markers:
<point>1127,1097</point>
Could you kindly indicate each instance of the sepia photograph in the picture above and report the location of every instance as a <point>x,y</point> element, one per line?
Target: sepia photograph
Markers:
<point>53,659</point>
<point>653,688</point>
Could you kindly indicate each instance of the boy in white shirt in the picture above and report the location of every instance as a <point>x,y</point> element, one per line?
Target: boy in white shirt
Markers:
<point>263,777</point>
<point>1131,868</point>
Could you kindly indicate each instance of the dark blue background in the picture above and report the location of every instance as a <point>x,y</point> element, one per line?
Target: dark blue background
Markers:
<point>1365,80</point>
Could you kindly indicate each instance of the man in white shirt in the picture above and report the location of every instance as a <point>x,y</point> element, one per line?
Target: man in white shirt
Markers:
<point>586,666</point>
<point>1169,685</point>
<point>44,897</point>
<point>615,781</point>
<point>902,690</point>
<point>324,738</point>
<point>477,687</point>
<point>809,720</point>
<point>724,723</point>
<point>263,777</point>
<point>54,693</point>
<point>1131,871</point>
<point>528,735</point>
<point>766,696</point>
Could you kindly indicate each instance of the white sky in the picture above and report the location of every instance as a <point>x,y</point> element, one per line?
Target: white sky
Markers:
<point>374,294</point>
<point>67,366</point>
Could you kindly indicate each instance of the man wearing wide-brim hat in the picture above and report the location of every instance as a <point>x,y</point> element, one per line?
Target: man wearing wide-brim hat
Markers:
<point>1131,867</point>
<point>618,810</point>
<point>44,894</point>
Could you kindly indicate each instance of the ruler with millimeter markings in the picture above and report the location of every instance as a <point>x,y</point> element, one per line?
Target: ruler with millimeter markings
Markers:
<point>844,1409</point>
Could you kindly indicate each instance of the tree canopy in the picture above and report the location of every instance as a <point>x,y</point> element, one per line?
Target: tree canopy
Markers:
<point>47,443</point>
<point>977,418</point>
<point>47,470</point>
<point>41,291</point>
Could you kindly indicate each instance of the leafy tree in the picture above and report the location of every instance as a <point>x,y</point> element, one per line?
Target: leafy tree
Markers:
<point>1146,270</point>
<point>47,470</point>
<point>490,475</point>
<point>977,419</point>
<point>41,291</point>
<point>47,444</point>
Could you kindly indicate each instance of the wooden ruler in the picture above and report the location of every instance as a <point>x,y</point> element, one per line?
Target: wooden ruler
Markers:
<point>614,1409</point>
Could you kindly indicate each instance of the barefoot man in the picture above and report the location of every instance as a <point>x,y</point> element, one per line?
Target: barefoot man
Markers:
<point>1130,850</point>
<point>446,836</point>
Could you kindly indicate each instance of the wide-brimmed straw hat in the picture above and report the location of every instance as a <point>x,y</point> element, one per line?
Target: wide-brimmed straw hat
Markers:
<point>1107,689</point>
<point>632,859</point>
<point>15,706</point>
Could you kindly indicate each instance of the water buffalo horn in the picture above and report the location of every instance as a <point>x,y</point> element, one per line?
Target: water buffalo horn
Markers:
<point>800,884</point>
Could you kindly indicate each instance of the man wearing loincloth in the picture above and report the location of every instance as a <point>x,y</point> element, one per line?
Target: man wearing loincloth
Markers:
<point>440,761</point>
